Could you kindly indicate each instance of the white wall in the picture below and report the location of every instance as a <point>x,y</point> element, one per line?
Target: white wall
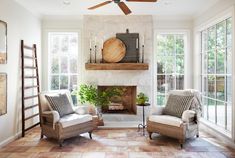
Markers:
<point>21,25</point>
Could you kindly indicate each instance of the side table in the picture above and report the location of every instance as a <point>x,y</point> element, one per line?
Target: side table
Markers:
<point>143,126</point>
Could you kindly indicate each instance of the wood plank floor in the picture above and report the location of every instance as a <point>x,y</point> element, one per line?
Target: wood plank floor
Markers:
<point>116,143</point>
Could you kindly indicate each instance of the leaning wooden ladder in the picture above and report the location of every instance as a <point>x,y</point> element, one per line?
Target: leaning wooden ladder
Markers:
<point>34,76</point>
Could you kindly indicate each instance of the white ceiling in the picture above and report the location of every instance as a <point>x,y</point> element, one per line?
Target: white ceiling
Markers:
<point>79,7</point>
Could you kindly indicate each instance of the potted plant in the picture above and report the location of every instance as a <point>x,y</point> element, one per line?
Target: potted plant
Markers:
<point>142,99</point>
<point>90,94</point>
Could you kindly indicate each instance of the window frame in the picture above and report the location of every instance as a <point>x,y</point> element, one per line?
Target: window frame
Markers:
<point>46,77</point>
<point>187,59</point>
<point>225,75</point>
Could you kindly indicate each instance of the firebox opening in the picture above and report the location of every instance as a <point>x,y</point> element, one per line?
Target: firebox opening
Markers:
<point>124,104</point>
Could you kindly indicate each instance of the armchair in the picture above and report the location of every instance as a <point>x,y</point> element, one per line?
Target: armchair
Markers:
<point>67,126</point>
<point>182,127</point>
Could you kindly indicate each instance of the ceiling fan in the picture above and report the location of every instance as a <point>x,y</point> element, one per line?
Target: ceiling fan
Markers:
<point>121,4</point>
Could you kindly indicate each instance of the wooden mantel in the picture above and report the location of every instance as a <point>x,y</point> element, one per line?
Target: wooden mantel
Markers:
<point>117,66</point>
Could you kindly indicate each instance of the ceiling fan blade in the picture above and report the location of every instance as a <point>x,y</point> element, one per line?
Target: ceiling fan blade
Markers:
<point>141,0</point>
<point>100,5</point>
<point>124,8</point>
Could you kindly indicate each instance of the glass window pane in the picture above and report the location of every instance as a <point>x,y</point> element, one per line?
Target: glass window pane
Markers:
<point>161,100</point>
<point>180,44</point>
<point>170,45</point>
<point>54,65</point>
<point>211,62</point>
<point>55,82</point>
<point>64,64</point>
<point>204,106</point>
<point>73,44</point>
<point>211,42</point>
<point>211,110</point>
<point>64,82</point>
<point>170,83</point>
<point>161,42</point>
<point>221,34</point>
<point>229,61</point>
<point>220,61</point>
<point>73,82</point>
<point>170,64</point>
<point>64,43</point>
<point>229,117</point>
<point>54,44</point>
<point>160,66</point>
<point>211,86</point>
<point>220,88</point>
<point>180,82</point>
<point>229,89</point>
<point>161,83</point>
<point>73,65</point>
<point>180,64</point>
<point>220,114</point>
<point>229,33</point>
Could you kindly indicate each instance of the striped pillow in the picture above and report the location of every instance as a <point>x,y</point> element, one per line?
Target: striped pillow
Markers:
<point>177,104</point>
<point>60,103</point>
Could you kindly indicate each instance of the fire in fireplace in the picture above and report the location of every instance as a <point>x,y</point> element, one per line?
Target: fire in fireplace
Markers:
<point>124,104</point>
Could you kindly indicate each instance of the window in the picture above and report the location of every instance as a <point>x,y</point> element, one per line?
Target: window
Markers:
<point>170,64</point>
<point>216,73</point>
<point>63,56</point>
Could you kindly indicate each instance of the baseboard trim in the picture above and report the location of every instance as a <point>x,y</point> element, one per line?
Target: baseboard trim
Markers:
<point>208,129</point>
<point>9,140</point>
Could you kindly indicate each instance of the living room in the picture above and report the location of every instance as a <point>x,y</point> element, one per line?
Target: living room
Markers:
<point>129,78</point>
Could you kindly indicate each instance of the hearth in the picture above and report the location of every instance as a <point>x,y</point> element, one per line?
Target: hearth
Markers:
<point>124,104</point>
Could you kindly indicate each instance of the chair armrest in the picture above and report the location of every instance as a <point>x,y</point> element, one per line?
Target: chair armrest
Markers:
<point>81,110</point>
<point>51,117</point>
<point>188,116</point>
<point>156,110</point>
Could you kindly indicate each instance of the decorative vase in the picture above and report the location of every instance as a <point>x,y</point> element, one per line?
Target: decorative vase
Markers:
<point>99,111</point>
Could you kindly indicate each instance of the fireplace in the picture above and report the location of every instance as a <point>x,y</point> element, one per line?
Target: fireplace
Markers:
<point>124,104</point>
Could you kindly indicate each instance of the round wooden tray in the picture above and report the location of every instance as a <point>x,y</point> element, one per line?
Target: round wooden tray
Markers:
<point>114,50</point>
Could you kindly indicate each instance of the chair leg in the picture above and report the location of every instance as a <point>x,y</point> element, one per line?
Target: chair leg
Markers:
<point>181,146</point>
<point>90,134</point>
<point>150,135</point>
<point>197,135</point>
<point>181,141</point>
<point>41,135</point>
<point>61,142</point>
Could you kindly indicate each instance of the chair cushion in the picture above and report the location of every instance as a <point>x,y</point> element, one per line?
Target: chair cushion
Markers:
<point>60,103</point>
<point>166,119</point>
<point>74,119</point>
<point>177,104</point>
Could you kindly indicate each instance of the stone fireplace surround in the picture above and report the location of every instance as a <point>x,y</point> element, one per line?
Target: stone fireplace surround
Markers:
<point>106,27</point>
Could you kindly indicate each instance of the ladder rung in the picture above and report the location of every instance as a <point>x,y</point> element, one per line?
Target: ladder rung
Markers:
<point>30,67</point>
<point>32,126</point>
<point>30,77</point>
<point>29,57</point>
<point>30,97</point>
<point>27,118</point>
<point>30,107</point>
<point>29,87</point>
<point>28,47</point>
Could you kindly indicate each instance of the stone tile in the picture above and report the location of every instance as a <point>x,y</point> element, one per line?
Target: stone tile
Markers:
<point>93,155</point>
<point>71,155</point>
<point>48,155</point>
<point>140,155</point>
<point>116,155</point>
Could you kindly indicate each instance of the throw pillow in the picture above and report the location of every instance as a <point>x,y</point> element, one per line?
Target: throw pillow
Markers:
<point>60,103</point>
<point>177,104</point>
